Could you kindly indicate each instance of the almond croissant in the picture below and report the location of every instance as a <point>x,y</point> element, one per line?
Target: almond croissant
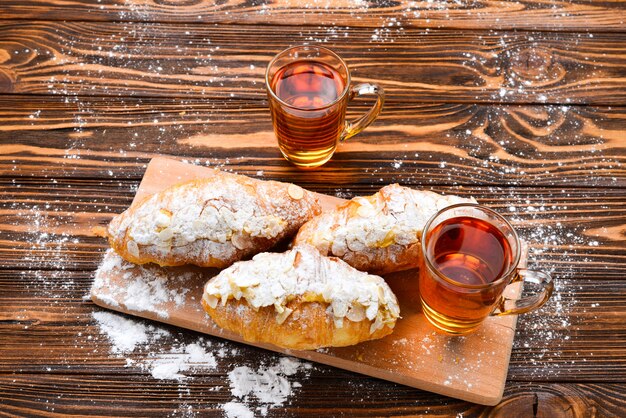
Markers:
<point>211,222</point>
<point>301,300</point>
<point>380,233</point>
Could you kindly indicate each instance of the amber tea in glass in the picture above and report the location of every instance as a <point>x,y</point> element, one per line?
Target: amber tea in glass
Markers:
<point>470,255</point>
<point>309,89</point>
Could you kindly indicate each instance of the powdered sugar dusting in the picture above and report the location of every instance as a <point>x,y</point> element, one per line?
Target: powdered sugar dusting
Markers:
<point>191,356</point>
<point>128,336</point>
<point>237,410</point>
<point>548,330</point>
<point>160,353</point>
<point>269,385</point>
<point>146,288</point>
<point>124,334</point>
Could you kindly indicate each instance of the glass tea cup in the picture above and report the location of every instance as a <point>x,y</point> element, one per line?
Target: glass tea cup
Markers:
<point>309,89</point>
<point>470,255</point>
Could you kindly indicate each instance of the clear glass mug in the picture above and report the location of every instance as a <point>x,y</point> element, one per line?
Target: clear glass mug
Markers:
<point>308,88</point>
<point>470,255</point>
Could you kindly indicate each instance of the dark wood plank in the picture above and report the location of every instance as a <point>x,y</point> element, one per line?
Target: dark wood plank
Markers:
<point>43,395</point>
<point>525,14</point>
<point>421,144</point>
<point>138,59</point>
<point>47,223</point>
<point>47,326</point>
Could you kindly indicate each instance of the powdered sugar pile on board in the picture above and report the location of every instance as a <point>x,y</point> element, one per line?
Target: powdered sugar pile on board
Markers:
<point>158,351</point>
<point>145,288</point>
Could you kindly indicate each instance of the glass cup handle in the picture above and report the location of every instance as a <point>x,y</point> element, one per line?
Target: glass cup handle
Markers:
<point>364,89</point>
<point>530,303</point>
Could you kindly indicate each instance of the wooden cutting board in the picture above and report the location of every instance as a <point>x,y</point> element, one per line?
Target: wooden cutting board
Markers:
<point>471,368</point>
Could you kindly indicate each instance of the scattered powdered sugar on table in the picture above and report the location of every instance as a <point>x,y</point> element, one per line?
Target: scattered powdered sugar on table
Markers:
<point>190,356</point>
<point>159,352</point>
<point>268,384</point>
<point>237,410</point>
<point>124,334</point>
<point>543,335</point>
<point>130,336</point>
<point>49,242</point>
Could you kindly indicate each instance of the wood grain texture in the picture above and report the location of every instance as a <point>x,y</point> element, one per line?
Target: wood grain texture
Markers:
<point>45,322</point>
<point>525,14</point>
<point>576,232</point>
<point>328,395</point>
<point>331,395</point>
<point>85,104</point>
<point>138,59</point>
<point>422,144</point>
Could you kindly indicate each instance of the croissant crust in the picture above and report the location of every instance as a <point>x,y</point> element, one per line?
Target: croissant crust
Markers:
<point>308,327</point>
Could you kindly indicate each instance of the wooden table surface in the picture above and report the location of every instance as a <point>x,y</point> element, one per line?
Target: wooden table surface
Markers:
<point>521,104</point>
